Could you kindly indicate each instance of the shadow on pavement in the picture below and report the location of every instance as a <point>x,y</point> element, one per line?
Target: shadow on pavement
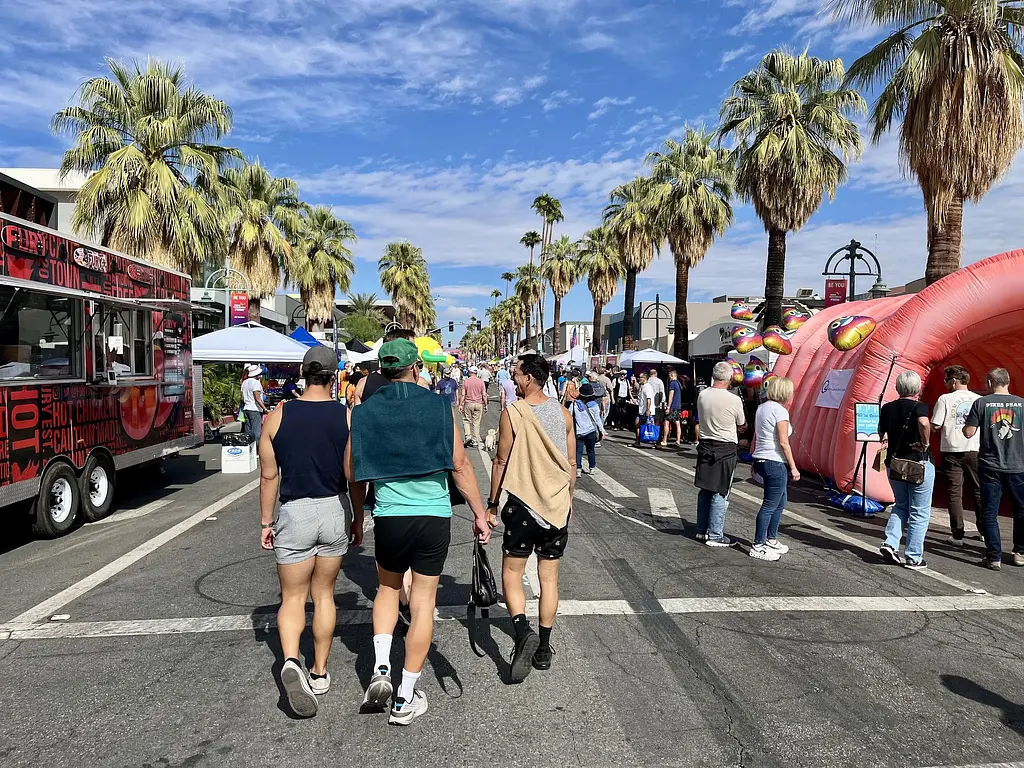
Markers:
<point>1012,714</point>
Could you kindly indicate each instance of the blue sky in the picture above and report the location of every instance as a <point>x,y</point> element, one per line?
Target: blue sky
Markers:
<point>440,120</point>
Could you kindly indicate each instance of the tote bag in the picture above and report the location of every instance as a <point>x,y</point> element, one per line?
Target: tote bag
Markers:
<point>649,431</point>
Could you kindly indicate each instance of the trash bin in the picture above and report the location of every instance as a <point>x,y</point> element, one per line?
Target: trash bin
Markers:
<point>237,454</point>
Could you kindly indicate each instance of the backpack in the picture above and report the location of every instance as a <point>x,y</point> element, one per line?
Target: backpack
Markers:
<point>483,593</point>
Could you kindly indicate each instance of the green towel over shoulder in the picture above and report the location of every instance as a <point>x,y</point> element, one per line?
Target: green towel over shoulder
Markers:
<point>404,430</point>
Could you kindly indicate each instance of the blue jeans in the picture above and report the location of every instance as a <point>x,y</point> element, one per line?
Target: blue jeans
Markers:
<point>776,487</point>
<point>711,509</point>
<point>912,511</point>
<point>586,441</point>
<point>253,424</point>
<point>992,486</point>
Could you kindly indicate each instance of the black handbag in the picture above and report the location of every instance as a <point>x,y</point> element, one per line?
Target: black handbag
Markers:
<point>907,470</point>
<point>483,593</point>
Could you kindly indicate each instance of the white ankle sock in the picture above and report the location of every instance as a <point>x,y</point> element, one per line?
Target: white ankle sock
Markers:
<point>408,685</point>
<point>382,651</point>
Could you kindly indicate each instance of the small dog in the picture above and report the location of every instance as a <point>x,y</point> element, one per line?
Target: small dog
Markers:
<point>491,441</point>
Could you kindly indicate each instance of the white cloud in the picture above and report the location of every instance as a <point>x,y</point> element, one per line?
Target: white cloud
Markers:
<point>596,41</point>
<point>602,105</point>
<point>462,290</point>
<point>732,55</point>
<point>558,99</point>
<point>514,94</point>
<point>449,312</point>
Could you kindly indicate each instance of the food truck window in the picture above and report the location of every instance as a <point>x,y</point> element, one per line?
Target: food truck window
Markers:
<point>35,329</point>
<point>125,343</point>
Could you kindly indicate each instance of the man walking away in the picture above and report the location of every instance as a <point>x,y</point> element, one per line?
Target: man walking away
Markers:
<point>302,455</point>
<point>473,405</point>
<point>403,440</point>
<point>999,418</point>
<point>720,414</point>
<point>645,405</point>
<point>534,466</point>
<point>485,376</point>
<point>672,408</point>
<point>959,453</point>
<point>253,407</point>
<point>448,387</point>
<point>508,393</point>
<point>620,398</point>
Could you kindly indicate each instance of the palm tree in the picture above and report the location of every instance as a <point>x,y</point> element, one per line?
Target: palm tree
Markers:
<point>260,215</point>
<point>601,263</point>
<point>531,240</point>
<point>561,272</point>
<point>517,316</point>
<point>143,135</point>
<point>322,263</point>
<point>791,121</point>
<point>631,225</point>
<point>403,274</point>
<point>364,320</point>
<point>550,210</point>
<point>529,288</point>
<point>495,294</point>
<point>691,194</point>
<point>952,71</point>
<point>508,277</point>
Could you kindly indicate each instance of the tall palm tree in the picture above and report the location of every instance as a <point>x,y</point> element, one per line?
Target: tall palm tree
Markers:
<point>495,294</point>
<point>561,272</point>
<point>790,118</point>
<point>144,136</point>
<point>529,288</point>
<point>518,315</point>
<point>531,240</point>
<point>601,263</point>
<point>403,274</point>
<point>693,184</point>
<point>322,263</point>
<point>550,210</point>
<point>508,277</point>
<point>631,225</point>
<point>952,73</point>
<point>261,216</point>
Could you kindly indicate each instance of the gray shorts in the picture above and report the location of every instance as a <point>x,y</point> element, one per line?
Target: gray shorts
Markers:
<point>308,528</point>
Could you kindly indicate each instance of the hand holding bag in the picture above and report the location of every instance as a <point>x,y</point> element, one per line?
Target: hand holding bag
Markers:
<point>649,431</point>
<point>483,593</point>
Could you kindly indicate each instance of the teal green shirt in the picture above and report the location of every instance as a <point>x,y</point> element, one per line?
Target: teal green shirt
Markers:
<point>413,496</point>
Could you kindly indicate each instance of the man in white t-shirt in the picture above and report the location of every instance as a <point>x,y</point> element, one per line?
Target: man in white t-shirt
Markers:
<point>645,404</point>
<point>252,402</point>
<point>959,453</point>
<point>720,416</point>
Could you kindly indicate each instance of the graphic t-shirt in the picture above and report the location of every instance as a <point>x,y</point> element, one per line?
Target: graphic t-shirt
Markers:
<point>999,419</point>
<point>449,388</point>
<point>950,415</point>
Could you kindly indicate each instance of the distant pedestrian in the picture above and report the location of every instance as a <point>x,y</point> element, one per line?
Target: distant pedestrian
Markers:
<point>905,429</point>
<point>291,388</point>
<point>485,376</point>
<point>620,398</point>
<point>507,393</point>
<point>773,460</point>
<point>586,414</point>
<point>302,453</point>
<point>645,404</point>
<point>959,453</point>
<point>673,406</point>
<point>448,387</point>
<point>473,406</point>
<point>720,413</point>
<point>253,406</point>
<point>999,418</point>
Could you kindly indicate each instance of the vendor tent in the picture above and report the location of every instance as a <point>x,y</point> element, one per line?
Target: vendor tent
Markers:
<point>247,343</point>
<point>303,336</point>
<point>355,345</point>
<point>654,357</point>
<point>575,356</point>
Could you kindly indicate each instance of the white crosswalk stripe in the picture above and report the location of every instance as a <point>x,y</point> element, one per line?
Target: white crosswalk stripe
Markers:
<point>610,484</point>
<point>663,504</point>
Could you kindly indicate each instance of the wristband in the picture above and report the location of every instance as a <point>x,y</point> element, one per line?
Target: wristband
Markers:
<point>264,526</point>
<point>492,504</point>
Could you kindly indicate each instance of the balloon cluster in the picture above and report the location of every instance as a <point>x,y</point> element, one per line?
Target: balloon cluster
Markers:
<point>793,318</point>
<point>740,311</point>
<point>846,333</point>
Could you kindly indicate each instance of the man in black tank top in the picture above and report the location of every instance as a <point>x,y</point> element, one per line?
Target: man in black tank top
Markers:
<point>302,453</point>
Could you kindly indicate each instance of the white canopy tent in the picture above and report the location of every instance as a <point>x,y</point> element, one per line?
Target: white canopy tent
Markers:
<point>247,343</point>
<point>652,356</point>
<point>575,356</point>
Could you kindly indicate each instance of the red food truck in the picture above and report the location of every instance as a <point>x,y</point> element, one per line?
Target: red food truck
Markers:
<point>95,372</point>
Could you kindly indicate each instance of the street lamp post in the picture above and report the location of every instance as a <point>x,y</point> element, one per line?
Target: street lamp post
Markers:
<point>854,253</point>
<point>225,274</point>
<point>657,306</point>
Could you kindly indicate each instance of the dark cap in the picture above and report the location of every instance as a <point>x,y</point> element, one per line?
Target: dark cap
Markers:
<point>586,390</point>
<point>319,358</point>
<point>398,353</point>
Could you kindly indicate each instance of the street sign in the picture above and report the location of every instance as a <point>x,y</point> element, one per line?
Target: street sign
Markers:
<point>835,291</point>
<point>239,307</point>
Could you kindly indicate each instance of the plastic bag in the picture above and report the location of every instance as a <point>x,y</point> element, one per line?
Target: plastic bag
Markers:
<point>649,431</point>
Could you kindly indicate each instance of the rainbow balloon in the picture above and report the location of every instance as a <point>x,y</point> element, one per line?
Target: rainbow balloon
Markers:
<point>846,333</point>
<point>793,318</point>
<point>775,340</point>
<point>741,311</point>
<point>753,373</point>
<point>745,339</point>
<point>737,371</point>
<point>764,383</point>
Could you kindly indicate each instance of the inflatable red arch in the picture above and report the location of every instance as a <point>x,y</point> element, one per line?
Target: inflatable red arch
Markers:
<point>973,317</point>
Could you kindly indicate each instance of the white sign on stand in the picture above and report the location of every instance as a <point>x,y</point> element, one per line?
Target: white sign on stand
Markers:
<point>833,390</point>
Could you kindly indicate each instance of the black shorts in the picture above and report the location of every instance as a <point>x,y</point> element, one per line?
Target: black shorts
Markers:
<point>524,535</point>
<point>419,542</point>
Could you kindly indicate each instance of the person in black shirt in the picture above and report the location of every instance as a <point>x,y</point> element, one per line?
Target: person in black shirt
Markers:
<point>904,427</point>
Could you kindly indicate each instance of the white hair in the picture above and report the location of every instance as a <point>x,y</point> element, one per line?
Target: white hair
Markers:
<point>722,372</point>
<point>908,384</point>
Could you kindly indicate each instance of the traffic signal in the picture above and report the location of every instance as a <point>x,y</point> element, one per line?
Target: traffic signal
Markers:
<point>479,325</point>
<point>451,327</point>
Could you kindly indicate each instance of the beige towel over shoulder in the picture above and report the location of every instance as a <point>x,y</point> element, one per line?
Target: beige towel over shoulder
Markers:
<point>537,472</point>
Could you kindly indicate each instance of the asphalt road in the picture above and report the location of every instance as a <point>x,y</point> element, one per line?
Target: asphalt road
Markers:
<point>668,652</point>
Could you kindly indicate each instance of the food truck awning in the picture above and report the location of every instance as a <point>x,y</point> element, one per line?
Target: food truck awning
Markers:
<point>247,343</point>
<point>74,293</point>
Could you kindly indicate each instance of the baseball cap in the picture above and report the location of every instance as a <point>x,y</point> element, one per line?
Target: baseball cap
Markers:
<point>398,353</point>
<point>319,358</point>
<point>473,369</point>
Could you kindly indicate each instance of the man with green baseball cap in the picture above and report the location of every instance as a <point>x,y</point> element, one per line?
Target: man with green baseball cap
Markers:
<point>403,440</point>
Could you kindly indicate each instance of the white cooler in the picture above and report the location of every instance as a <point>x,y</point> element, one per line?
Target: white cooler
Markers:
<point>238,459</point>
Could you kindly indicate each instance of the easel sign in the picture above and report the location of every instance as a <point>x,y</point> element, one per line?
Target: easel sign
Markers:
<point>865,417</point>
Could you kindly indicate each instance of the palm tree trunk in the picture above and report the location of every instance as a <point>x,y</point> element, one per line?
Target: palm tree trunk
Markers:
<point>627,310</point>
<point>681,342</point>
<point>945,246</point>
<point>774,278</point>
<point>254,308</point>
<point>595,345</point>
<point>558,317</point>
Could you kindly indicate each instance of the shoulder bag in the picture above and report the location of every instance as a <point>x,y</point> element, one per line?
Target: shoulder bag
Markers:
<point>483,593</point>
<point>907,470</point>
<point>597,427</point>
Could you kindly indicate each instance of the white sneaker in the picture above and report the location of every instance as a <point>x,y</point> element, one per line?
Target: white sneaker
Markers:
<point>775,546</point>
<point>379,691</point>
<point>404,712</point>
<point>320,685</point>
<point>955,541</point>
<point>579,472</point>
<point>296,687</point>
<point>763,552</point>
<point>725,541</point>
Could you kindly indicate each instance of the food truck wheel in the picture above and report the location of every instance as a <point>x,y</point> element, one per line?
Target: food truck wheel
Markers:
<point>97,487</point>
<point>56,506</point>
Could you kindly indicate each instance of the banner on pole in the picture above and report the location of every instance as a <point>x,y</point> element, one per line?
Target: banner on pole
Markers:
<point>835,291</point>
<point>239,307</point>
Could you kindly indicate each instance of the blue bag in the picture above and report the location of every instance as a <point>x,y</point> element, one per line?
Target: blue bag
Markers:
<point>854,503</point>
<point>649,431</point>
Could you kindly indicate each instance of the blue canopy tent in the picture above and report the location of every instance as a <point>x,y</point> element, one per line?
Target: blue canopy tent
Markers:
<point>303,336</point>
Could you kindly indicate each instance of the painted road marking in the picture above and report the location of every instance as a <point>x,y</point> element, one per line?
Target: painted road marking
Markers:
<point>663,503</point>
<point>671,606</point>
<point>609,506</point>
<point>50,606</point>
<point>132,514</point>
<point>833,533</point>
<point>610,484</point>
